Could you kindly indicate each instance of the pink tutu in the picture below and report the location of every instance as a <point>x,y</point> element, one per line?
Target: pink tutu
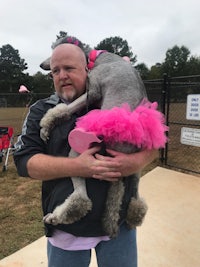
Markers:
<point>144,127</point>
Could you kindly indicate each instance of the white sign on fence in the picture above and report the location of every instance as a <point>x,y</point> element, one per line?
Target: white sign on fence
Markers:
<point>193,107</point>
<point>190,136</point>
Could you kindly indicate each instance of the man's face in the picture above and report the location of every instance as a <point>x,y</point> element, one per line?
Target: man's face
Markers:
<point>68,66</point>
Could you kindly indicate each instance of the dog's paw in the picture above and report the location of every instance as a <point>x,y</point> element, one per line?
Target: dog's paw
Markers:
<point>111,228</point>
<point>69,212</point>
<point>50,218</point>
<point>44,134</point>
<point>136,212</point>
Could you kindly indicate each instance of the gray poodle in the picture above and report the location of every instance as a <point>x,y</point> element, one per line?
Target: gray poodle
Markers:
<point>112,82</point>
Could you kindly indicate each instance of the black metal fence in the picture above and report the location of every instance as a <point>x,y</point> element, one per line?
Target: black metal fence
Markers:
<point>19,100</point>
<point>179,100</point>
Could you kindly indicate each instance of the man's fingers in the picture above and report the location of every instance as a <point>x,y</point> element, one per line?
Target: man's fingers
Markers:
<point>107,159</point>
<point>110,177</point>
<point>93,150</point>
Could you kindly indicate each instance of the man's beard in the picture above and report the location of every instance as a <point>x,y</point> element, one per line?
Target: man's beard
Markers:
<point>69,95</point>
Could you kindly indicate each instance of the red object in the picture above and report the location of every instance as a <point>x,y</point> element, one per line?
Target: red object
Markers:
<point>6,134</point>
<point>6,144</point>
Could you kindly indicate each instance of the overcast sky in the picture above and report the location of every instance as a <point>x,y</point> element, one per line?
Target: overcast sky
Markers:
<point>149,26</point>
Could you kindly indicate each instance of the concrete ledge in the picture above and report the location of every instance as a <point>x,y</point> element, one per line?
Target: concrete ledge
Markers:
<point>33,255</point>
<point>170,234</point>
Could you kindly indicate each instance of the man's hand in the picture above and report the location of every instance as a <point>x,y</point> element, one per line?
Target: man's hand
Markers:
<point>129,163</point>
<point>102,168</point>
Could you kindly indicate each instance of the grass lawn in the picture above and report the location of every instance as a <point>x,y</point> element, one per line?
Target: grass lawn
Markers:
<point>20,211</point>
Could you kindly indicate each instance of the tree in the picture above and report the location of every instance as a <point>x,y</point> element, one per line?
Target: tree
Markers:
<point>143,70</point>
<point>193,66</point>
<point>117,46</point>
<point>42,83</point>
<point>176,61</point>
<point>156,72</point>
<point>11,68</point>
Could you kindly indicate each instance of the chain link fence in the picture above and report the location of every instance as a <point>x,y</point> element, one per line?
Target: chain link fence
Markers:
<point>179,99</point>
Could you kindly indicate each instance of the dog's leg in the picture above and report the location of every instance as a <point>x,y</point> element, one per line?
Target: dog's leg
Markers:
<point>59,112</point>
<point>49,120</point>
<point>137,207</point>
<point>112,208</point>
<point>75,206</point>
<point>136,212</point>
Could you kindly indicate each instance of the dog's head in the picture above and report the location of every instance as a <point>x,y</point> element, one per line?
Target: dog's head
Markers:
<point>45,65</point>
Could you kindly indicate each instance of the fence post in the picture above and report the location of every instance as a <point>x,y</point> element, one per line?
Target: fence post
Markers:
<point>163,94</point>
<point>164,91</point>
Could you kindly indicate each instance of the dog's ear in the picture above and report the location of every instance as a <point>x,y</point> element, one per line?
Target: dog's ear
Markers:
<point>45,65</point>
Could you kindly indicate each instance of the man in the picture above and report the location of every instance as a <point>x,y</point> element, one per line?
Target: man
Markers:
<point>70,245</point>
